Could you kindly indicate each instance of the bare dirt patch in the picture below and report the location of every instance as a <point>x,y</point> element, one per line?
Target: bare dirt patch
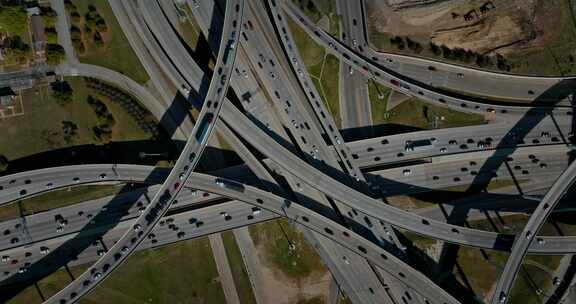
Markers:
<point>281,289</point>
<point>478,25</point>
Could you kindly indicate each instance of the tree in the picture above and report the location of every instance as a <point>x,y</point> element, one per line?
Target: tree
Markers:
<point>13,20</point>
<point>48,15</point>
<point>398,42</point>
<point>16,49</point>
<point>410,43</point>
<point>435,49</point>
<point>16,43</point>
<point>62,92</point>
<point>54,53</point>
<point>3,163</point>
<point>75,16</point>
<point>501,63</point>
<point>101,25</point>
<point>70,130</point>
<point>446,52</point>
<point>98,39</point>
<point>87,29</point>
<point>69,5</point>
<point>75,32</point>
<point>102,135</point>
<point>78,46</point>
<point>51,34</point>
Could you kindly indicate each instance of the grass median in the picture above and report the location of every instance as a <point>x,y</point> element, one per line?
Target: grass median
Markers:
<point>241,278</point>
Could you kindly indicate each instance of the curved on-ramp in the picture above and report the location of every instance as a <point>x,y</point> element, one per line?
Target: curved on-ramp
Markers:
<point>526,238</point>
<point>410,86</point>
<point>183,168</point>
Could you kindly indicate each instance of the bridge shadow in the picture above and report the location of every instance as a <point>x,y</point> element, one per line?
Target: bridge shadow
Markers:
<point>367,132</point>
<point>90,234</point>
<point>141,152</point>
<point>516,135</point>
<point>564,284</point>
<point>177,112</point>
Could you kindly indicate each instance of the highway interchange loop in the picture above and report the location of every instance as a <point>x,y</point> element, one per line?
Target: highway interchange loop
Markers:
<point>314,174</point>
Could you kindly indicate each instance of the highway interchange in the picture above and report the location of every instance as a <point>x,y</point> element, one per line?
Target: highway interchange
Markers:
<point>335,191</point>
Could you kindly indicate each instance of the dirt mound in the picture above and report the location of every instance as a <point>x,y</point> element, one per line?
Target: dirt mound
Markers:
<point>478,25</point>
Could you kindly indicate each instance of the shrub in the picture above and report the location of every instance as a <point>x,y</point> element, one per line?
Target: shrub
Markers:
<point>54,53</point>
<point>3,163</point>
<point>62,92</point>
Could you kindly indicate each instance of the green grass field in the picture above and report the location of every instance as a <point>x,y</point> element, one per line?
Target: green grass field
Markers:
<point>184,272</point>
<point>296,264</point>
<point>323,68</point>
<point>419,241</point>
<point>416,113</point>
<point>116,54</point>
<point>34,132</point>
<point>378,105</point>
<point>481,274</point>
<point>241,279</point>
<point>188,28</point>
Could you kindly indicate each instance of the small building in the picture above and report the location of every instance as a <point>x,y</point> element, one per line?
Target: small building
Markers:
<point>37,30</point>
<point>7,98</point>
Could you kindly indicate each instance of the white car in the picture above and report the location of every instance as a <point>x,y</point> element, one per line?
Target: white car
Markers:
<point>44,250</point>
<point>345,260</point>
<point>407,172</point>
<point>443,150</point>
<point>256,211</point>
<point>5,258</point>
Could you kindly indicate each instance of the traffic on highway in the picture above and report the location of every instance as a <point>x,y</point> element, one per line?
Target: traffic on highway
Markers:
<point>259,138</point>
